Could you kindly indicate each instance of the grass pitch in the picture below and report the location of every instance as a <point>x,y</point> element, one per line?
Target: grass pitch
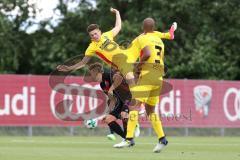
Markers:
<point>99,148</point>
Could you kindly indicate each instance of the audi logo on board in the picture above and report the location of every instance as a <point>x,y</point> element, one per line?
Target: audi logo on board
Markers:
<point>80,101</point>
<point>232,112</point>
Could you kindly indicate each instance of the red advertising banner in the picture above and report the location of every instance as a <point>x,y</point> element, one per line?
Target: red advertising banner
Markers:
<point>32,100</point>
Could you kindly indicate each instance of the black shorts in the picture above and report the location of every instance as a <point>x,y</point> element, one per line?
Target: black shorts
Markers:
<point>119,107</point>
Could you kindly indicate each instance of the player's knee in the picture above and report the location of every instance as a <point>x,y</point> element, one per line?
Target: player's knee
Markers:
<point>104,119</point>
<point>124,115</point>
<point>149,109</point>
<point>134,105</point>
<point>133,108</point>
<point>109,119</point>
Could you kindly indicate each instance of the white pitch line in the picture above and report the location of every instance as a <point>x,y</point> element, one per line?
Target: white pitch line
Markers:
<point>146,143</point>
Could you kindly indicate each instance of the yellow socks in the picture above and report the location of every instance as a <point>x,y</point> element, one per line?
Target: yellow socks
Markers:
<point>157,125</point>
<point>132,122</point>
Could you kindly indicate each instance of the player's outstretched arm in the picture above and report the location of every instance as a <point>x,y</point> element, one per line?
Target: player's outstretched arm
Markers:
<point>170,33</point>
<point>82,63</point>
<point>118,23</point>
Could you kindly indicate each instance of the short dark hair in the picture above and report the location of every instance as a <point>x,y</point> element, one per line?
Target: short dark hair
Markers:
<point>148,24</point>
<point>91,27</point>
<point>96,66</point>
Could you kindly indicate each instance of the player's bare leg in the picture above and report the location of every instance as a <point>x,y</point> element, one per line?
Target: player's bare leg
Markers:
<point>111,121</point>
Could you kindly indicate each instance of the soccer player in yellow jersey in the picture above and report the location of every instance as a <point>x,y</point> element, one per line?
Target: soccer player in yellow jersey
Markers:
<point>102,45</point>
<point>148,87</point>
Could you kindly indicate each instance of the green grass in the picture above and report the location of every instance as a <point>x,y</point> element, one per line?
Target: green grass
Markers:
<point>99,148</point>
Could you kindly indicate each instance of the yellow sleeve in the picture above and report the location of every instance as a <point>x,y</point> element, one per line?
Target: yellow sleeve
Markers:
<point>90,50</point>
<point>108,34</point>
<point>165,35</point>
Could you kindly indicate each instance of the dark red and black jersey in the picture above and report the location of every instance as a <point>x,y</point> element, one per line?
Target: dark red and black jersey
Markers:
<point>122,91</point>
<point>106,81</point>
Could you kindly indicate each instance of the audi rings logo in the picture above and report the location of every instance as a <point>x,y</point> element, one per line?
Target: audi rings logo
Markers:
<point>232,111</point>
<point>64,109</point>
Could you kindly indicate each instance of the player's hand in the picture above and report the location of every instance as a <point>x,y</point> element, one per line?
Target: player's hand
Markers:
<point>63,68</point>
<point>110,93</point>
<point>113,10</point>
<point>137,69</point>
<point>131,78</point>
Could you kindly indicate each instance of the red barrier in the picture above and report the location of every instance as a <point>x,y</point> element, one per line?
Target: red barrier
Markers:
<point>29,100</point>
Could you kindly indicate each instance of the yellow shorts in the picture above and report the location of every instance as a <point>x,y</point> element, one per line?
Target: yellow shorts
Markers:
<point>146,94</point>
<point>149,86</point>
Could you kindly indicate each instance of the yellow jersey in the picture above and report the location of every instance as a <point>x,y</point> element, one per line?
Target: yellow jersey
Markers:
<point>149,84</point>
<point>105,48</point>
<point>154,41</point>
<point>110,52</point>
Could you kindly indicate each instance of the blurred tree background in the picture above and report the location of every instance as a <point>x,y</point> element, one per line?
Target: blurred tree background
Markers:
<point>206,44</point>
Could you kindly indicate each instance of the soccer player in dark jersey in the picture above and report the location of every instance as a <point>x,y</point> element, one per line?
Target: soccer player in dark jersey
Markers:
<point>117,90</point>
